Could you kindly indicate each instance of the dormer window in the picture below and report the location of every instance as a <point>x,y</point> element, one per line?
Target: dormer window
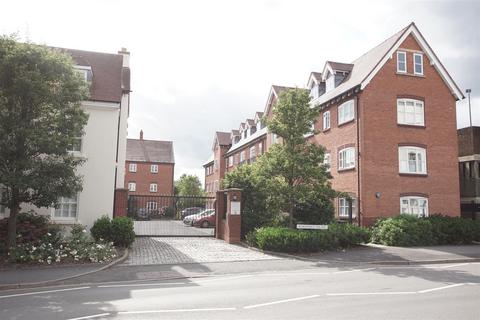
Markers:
<point>253,130</point>
<point>314,91</point>
<point>237,138</point>
<point>245,134</point>
<point>85,72</point>
<point>330,83</point>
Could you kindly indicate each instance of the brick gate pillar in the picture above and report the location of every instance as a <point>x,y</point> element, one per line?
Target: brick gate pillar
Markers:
<point>121,202</point>
<point>228,215</point>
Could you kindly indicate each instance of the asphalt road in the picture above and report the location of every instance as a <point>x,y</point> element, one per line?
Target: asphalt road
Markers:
<point>450,291</point>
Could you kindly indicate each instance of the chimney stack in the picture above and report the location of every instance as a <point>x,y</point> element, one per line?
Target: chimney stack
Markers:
<point>141,134</point>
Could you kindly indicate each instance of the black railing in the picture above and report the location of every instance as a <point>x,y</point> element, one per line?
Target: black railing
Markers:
<point>147,207</point>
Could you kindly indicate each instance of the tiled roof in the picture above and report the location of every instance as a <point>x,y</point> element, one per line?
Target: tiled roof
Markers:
<point>362,67</point>
<point>150,151</point>
<point>223,138</point>
<point>250,122</point>
<point>249,139</point>
<point>110,78</point>
<point>340,66</point>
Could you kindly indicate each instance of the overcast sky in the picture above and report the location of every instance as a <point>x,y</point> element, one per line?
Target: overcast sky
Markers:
<point>205,66</point>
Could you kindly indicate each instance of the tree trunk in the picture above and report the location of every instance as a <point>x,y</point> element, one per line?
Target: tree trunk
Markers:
<point>12,227</point>
<point>290,217</point>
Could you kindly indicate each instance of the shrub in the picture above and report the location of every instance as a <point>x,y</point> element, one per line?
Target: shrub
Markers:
<point>102,228</point>
<point>405,230</point>
<point>119,230</point>
<point>169,212</point>
<point>54,248</point>
<point>122,231</point>
<point>30,227</point>
<point>292,240</point>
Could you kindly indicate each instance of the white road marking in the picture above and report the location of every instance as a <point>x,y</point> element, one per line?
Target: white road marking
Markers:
<point>369,293</point>
<point>176,310</point>
<point>91,317</point>
<point>141,284</point>
<point>447,266</point>
<point>354,270</point>
<point>41,292</point>
<point>222,278</point>
<point>280,301</point>
<point>442,288</point>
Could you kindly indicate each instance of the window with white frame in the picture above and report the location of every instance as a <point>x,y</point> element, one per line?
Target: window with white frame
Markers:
<point>154,168</point>
<point>132,186</point>
<point>416,206</point>
<point>410,112</point>
<point>418,63</point>
<point>330,83</point>
<point>67,208</point>
<point>253,152</point>
<point>343,207</point>
<point>327,161</point>
<point>314,91</point>
<point>152,205</point>
<point>242,156</point>
<point>274,138</point>
<point>77,145</point>
<point>85,72</point>
<point>326,120</point>
<point>401,61</point>
<point>230,161</point>
<point>346,112</point>
<point>412,160</point>
<point>346,158</point>
<point>260,148</point>
<point>132,167</point>
<point>153,187</point>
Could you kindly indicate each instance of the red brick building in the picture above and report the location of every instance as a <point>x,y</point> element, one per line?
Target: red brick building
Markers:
<point>388,123</point>
<point>149,167</point>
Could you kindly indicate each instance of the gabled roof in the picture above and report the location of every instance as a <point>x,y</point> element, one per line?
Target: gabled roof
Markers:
<point>140,150</point>
<point>223,138</point>
<point>110,78</point>
<point>314,77</point>
<point>250,122</point>
<point>235,133</point>
<point>242,127</point>
<point>258,116</point>
<point>340,66</point>
<point>258,134</point>
<point>366,67</point>
<point>274,93</point>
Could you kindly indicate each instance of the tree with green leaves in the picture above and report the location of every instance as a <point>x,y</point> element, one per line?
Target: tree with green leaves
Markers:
<point>41,118</point>
<point>296,163</point>
<point>189,185</point>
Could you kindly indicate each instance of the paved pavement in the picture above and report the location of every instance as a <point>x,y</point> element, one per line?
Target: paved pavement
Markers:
<point>178,250</point>
<point>383,254</point>
<point>169,228</point>
<point>450,291</point>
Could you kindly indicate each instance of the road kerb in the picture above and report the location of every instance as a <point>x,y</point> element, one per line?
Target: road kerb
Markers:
<point>59,280</point>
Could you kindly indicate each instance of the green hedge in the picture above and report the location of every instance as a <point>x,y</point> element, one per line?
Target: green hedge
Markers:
<point>292,240</point>
<point>407,231</point>
<point>119,230</point>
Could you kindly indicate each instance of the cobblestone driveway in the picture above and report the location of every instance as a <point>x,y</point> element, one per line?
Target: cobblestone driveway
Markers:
<point>169,228</point>
<point>189,250</point>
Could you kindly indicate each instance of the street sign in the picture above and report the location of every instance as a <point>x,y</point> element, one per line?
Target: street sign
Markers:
<point>313,226</point>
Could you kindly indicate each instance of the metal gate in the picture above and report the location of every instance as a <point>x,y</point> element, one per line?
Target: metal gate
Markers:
<point>172,215</point>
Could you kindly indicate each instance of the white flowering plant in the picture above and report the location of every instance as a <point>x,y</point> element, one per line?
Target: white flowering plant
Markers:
<point>79,246</point>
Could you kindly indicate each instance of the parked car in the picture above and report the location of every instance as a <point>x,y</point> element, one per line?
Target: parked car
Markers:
<point>190,211</point>
<point>143,214</point>
<point>188,220</point>
<point>205,221</point>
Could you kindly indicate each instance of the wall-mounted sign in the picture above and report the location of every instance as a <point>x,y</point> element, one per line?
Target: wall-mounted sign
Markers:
<point>313,226</point>
<point>235,207</point>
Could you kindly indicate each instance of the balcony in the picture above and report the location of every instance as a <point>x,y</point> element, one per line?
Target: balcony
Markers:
<point>469,187</point>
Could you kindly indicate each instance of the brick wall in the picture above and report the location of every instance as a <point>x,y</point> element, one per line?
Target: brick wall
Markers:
<point>381,135</point>
<point>143,178</point>
<point>465,147</point>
